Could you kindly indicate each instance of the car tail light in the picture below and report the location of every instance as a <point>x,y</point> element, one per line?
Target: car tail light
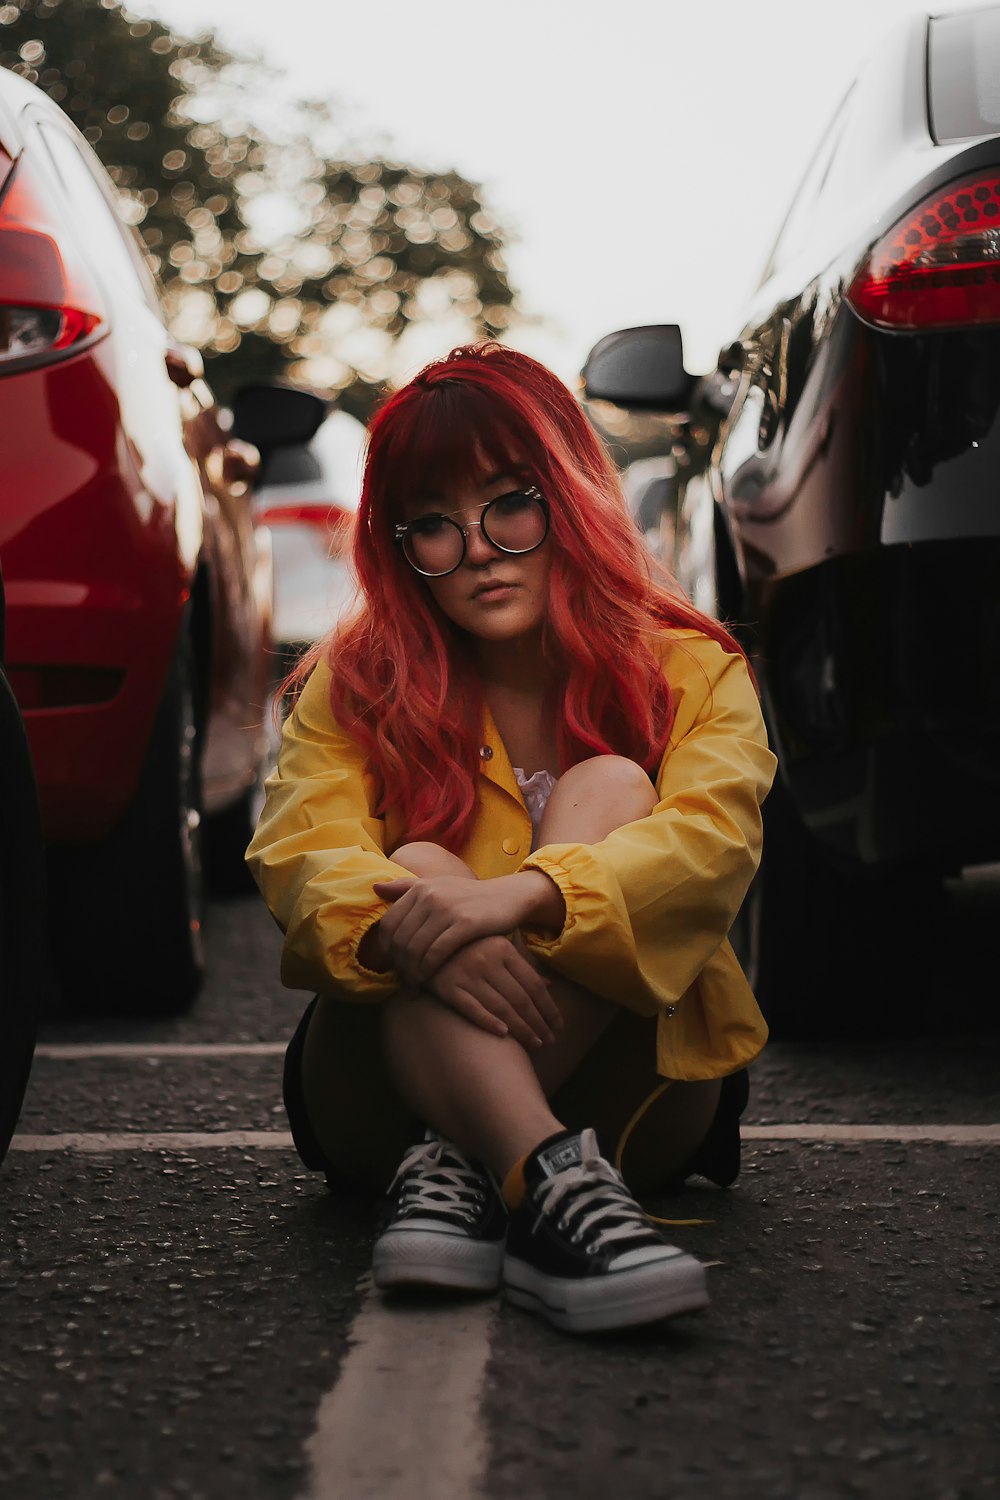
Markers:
<point>50,305</point>
<point>939,266</point>
<point>332,520</point>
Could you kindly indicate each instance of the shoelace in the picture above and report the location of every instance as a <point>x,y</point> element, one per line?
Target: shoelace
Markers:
<point>633,1122</point>
<point>599,1201</point>
<point>436,1176</point>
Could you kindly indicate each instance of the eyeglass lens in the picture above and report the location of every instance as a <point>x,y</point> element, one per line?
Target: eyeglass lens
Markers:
<point>513,523</point>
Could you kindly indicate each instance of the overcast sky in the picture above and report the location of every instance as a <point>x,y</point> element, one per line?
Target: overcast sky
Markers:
<point>641,153</point>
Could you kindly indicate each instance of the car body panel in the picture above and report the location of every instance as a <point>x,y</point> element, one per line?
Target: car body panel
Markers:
<point>853,478</point>
<point>123,503</point>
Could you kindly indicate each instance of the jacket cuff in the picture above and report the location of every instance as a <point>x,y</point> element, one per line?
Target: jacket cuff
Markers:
<point>543,940</point>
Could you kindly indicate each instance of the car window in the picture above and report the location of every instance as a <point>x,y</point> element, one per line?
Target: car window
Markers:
<point>115,257</point>
<point>963,77</point>
<point>799,220</point>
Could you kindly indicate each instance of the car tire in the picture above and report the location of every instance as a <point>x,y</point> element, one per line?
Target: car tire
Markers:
<point>832,954</point>
<point>129,915</point>
<point>24,973</point>
<point>227,835</point>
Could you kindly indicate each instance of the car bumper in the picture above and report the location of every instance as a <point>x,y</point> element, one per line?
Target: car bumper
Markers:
<point>65,642</point>
<point>883,696</point>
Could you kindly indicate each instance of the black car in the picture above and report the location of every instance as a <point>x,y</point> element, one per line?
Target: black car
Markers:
<point>840,502</point>
<point>24,970</point>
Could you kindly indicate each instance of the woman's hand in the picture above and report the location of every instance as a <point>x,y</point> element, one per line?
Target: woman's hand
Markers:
<point>432,919</point>
<point>494,986</point>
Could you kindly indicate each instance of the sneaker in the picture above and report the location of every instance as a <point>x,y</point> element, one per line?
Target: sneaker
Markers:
<point>580,1250</point>
<point>445,1223</point>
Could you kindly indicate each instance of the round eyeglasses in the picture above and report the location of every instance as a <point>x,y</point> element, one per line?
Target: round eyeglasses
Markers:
<point>516,523</point>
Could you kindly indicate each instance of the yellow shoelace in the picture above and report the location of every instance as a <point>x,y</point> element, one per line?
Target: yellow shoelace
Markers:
<point>646,1104</point>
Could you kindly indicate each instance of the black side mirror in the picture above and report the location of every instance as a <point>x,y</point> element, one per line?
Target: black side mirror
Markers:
<point>276,416</point>
<point>639,368</point>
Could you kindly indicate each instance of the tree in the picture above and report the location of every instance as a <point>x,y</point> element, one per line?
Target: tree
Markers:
<point>276,256</point>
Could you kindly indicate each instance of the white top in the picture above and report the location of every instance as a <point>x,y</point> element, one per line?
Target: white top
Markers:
<point>536,790</point>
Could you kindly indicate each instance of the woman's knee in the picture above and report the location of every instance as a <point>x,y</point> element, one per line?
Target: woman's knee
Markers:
<point>595,796</point>
<point>427,859</point>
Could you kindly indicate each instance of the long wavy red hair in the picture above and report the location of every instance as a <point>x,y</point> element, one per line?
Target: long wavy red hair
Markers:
<point>404,680</point>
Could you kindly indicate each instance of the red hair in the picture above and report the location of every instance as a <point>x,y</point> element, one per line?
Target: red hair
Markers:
<point>404,680</point>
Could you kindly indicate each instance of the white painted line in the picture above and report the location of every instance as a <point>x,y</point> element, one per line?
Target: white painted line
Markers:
<point>281,1140</point>
<point>950,1135</point>
<point>403,1420</point>
<point>161,1140</point>
<point>78,1051</point>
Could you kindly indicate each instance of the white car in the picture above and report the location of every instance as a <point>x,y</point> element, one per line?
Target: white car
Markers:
<point>650,486</point>
<point>307,499</point>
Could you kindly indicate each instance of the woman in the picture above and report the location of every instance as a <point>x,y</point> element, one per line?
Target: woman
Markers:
<point>516,808</point>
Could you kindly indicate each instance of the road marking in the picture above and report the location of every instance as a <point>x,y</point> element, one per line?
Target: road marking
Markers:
<point>160,1140</point>
<point>950,1135</point>
<point>281,1140</point>
<point>77,1051</point>
<point>403,1420</point>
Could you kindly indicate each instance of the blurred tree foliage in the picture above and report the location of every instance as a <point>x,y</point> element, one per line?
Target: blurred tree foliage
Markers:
<point>276,259</point>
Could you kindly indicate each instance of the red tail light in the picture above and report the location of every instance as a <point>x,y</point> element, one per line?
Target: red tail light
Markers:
<point>939,267</point>
<point>332,520</point>
<point>50,305</point>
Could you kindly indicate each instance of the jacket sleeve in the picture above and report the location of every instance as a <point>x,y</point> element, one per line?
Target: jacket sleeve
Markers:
<point>648,906</point>
<point>318,849</point>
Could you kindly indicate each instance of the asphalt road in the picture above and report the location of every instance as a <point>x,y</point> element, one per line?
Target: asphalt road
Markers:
<point>185,1311</point>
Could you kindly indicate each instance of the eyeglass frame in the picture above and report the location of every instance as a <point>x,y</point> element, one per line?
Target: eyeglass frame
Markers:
<point>533,493</point>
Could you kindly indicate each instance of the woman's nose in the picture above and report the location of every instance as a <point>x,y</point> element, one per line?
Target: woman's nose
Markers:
<point>478,547</point>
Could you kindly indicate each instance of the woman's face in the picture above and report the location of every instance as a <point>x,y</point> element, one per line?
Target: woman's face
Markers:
<point>493,595</point>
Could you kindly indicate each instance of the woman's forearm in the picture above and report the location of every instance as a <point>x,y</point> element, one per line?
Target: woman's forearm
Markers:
<point>541,898</point>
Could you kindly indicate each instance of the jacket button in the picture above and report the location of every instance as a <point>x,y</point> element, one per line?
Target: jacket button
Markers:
<point>510,846</point>
<point>486,753</point>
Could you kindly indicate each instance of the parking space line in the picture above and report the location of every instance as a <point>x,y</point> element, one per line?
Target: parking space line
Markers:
<point>403,1421</point>
<point>91,1141</point>
<point>951,1135</point>
<point>78,1051</point>
<point>281,1140</point>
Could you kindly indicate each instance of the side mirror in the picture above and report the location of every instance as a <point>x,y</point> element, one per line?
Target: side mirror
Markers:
<point>639,368</point>
<point>276,416</point>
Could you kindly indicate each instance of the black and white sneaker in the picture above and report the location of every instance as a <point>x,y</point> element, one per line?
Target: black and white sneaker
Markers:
<point>445,1223</point>
<point>581,1252</point>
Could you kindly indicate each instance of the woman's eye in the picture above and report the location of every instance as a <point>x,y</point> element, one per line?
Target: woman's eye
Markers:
<point>512,504</point>
<point>429,525</point>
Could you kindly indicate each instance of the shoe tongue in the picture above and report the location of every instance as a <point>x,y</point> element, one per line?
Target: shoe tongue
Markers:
<point>556,1154</point>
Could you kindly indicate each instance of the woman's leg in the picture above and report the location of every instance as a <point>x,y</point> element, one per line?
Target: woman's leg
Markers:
<point>476,1089</point>
<point>485,1092</point>
<point>615,1072</point>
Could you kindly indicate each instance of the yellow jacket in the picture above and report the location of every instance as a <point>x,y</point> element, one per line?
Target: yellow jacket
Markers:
<point>647,909</point>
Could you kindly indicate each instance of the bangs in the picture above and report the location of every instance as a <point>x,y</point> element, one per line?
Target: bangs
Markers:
<point>450,433</point>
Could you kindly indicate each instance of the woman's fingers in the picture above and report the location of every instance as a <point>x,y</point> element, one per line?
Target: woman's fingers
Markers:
<point>536,986</point>
<point>391,890</point>
<point>466,1005</point>
<point>496,976</point>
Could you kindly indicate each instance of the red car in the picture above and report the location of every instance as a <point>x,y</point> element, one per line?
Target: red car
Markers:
<point>138,589</point>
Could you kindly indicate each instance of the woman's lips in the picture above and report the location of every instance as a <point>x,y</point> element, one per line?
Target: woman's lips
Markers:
<point>490,591</point>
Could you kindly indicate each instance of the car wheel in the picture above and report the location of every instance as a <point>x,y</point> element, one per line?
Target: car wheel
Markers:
<point>129,915</point>
<point>831,954</point>
<point>23,964</point>
<point>227,835</point>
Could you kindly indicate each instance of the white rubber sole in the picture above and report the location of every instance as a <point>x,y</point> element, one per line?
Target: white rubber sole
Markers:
<point>420,1258</point>
<point>622,1299</point>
